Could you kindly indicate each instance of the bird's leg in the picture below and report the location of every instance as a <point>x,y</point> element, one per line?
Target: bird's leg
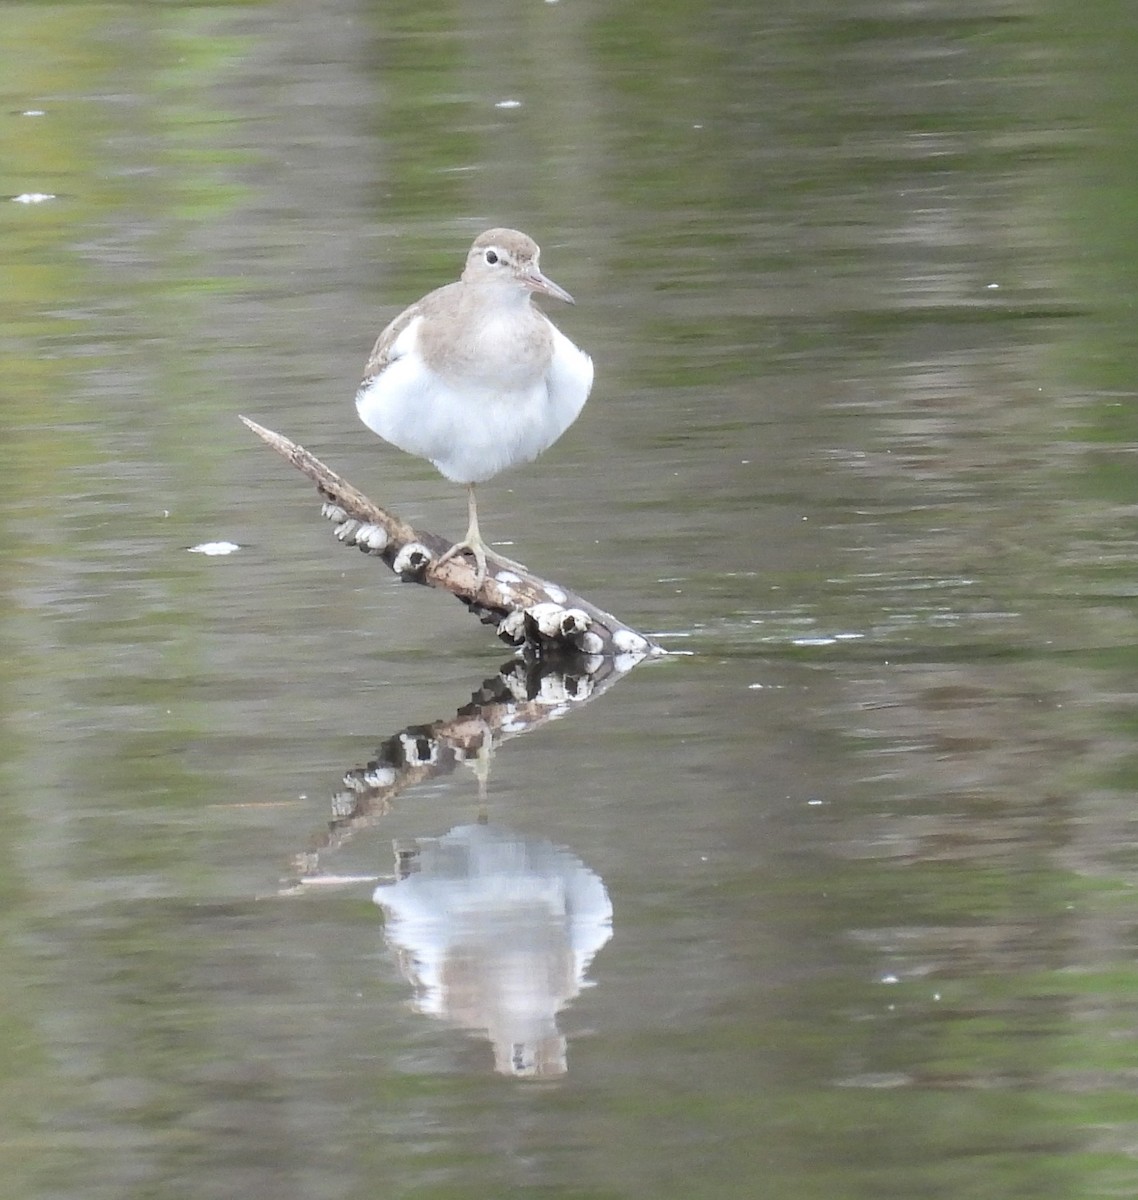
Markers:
<point>472,542</point>
<point>480,765</point>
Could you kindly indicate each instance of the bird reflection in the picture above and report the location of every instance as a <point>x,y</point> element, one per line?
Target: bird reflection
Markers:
<point>496,931</point>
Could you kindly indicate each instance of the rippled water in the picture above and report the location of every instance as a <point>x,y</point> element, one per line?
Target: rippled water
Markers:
<point>837,899</point>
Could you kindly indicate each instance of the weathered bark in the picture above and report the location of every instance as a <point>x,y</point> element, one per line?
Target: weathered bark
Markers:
<point>548,620</point>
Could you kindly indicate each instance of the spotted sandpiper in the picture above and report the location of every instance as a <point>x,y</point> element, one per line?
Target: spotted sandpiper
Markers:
<point>474,377</point>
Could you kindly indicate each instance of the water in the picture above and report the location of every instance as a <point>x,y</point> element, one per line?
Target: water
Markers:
<point>859,283</point>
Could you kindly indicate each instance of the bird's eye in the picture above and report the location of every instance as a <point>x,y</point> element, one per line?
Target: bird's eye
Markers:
<point>491,256</point>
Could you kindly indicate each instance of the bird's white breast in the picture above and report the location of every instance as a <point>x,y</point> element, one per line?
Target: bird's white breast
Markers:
<point>494,410</point>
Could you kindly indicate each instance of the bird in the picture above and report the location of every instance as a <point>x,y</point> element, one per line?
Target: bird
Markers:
<point>474,377</point>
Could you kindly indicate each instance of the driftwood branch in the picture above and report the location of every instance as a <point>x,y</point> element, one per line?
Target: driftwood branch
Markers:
<point>548,620</point>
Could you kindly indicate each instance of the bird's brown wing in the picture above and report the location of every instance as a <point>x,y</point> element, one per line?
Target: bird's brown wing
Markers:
<point>382,352</point>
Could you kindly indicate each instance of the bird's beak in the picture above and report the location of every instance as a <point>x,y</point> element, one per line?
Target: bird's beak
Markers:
<point>537,282</point>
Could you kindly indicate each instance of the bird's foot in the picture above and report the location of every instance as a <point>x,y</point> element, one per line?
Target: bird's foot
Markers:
<point>476,550</point>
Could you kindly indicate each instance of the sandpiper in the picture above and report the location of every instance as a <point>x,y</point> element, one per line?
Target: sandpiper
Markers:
<point>474,377</point>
